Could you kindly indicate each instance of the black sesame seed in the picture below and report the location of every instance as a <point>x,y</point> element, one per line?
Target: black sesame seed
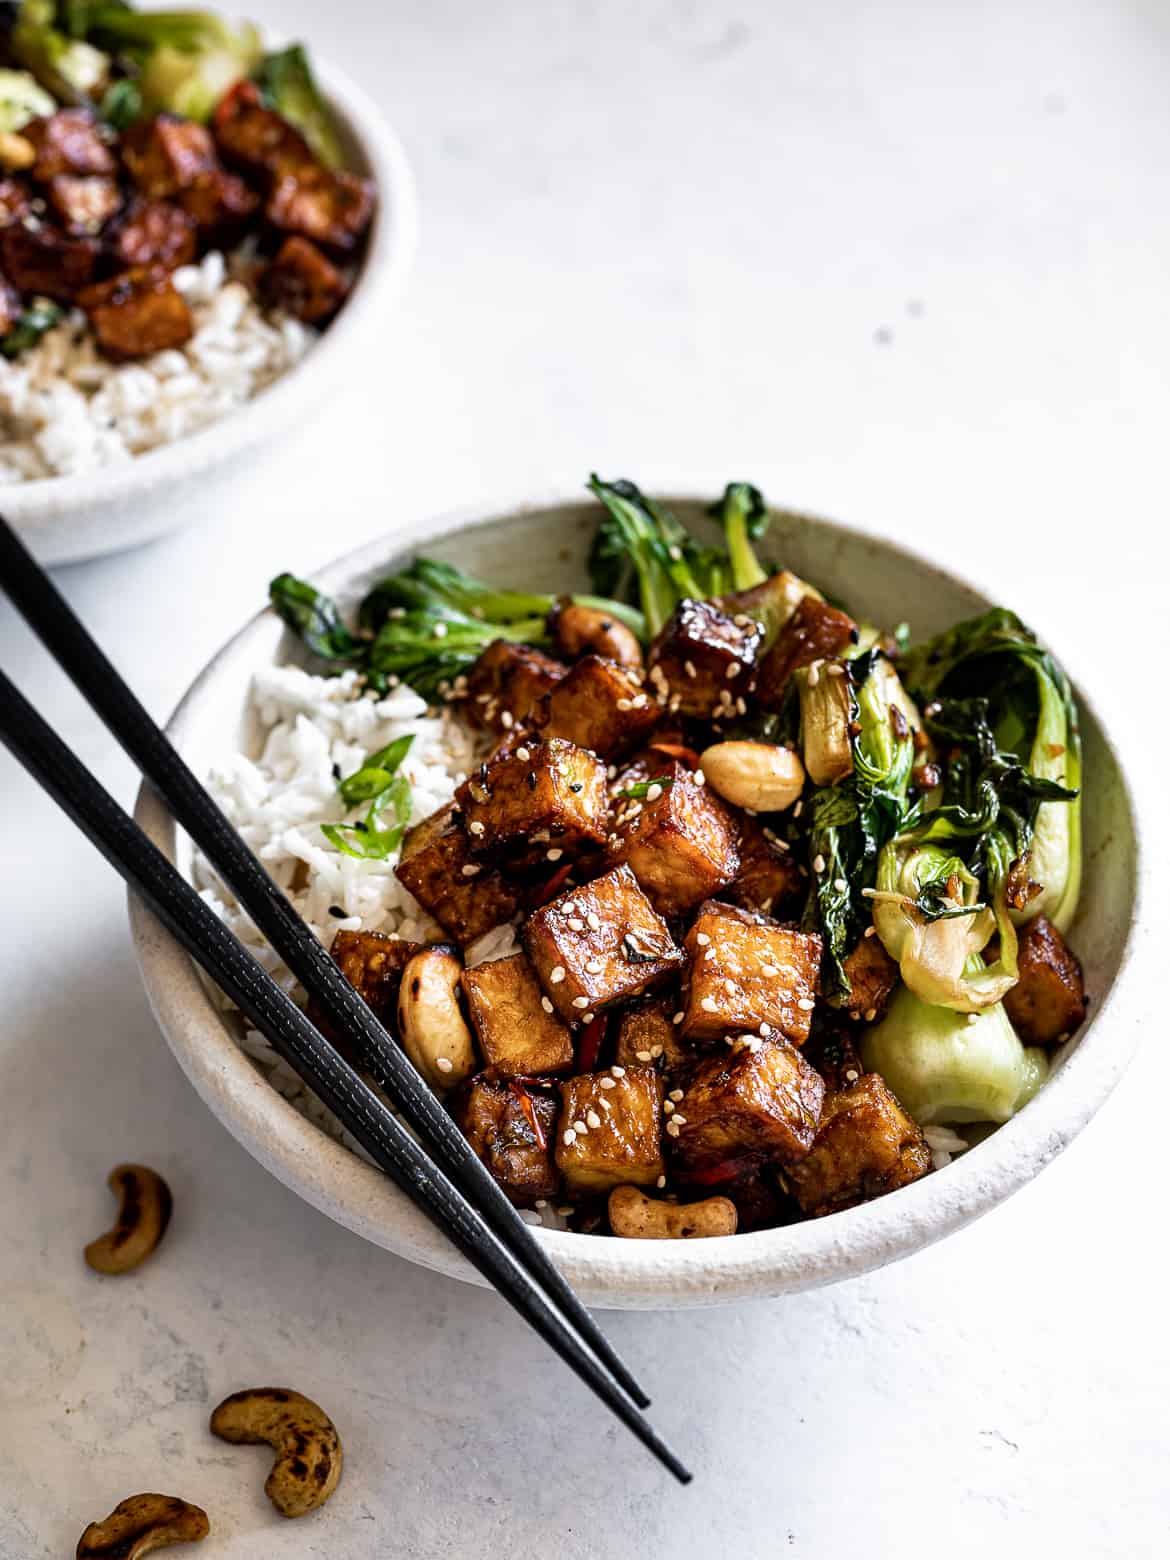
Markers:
<point>337,771</point>
<point>337,912</point>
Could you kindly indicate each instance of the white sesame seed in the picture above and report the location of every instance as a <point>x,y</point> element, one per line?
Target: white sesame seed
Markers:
<point>703,938</point>
<point>440,630</point>
<point>523,754</point>
<point>700,777</point>
<point>593,1118</point>
<point>580,1128</point>
<point>580,1002</point>
<point>667,1107</point>
<point>655,1052</point>
<point>506,720</point>
<point>676,1094</point>
<point>870,1015</point>
<point>661,1182</point>
<point>593,920</point>
<point>769,970</point>
<point>618,1072</point>
<point>554,854</point>
<point>594,967</point>
<point>642,1056</point>
<point>608,1083</point>
<point>471,869</point>
<point>679,1121</point>
<point>818,863</point>
<point>806,1004</point>
<point>625,704</point>
<point>557,974</point>
<point>569,1136</point>
<point>852,1075</point>
<point>835,669</point>
<point>576,925</point>
<point>765,1030</point>
<point>444,1063</point>
<point>639,701</point>
<point>841,885</point>
<point>689,669</point>
<point>734,669</point>
<point>475,827</point>
<point>678,1018</point>
<point>672,1127</point>
<point>587,1018</point>
<point>798,809</point>
<point>653,792</point>
<point>709,1005</point>
<point>546,1004</point>
<point>814,674</point>
<point>741,706</point>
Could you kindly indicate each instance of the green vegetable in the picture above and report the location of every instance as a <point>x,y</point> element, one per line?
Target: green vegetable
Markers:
<point>121,104</point>
<point>315,620</point>
<point>72,70</point>
<point>744,517</point>
<point>379,783</point>
<point>826,713</point>
<point>188,59</point>
<point>772,603</point>
<point>287,82</point>
<point>639,791</point>
<point>639,542</point>
<point>21,99</point>
<point>947,1067</point>
<point>35,319</point>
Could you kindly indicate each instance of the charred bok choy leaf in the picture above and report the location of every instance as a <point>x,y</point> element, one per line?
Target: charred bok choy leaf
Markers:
<point>287,83</point>
<point>378,782</point>
<point>186,60</point>
<point>69,67</point>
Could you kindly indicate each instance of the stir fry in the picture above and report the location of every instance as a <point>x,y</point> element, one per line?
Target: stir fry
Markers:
<point>790,891</point>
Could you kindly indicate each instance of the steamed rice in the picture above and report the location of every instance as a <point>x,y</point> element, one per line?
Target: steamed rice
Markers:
<point>65,409</point>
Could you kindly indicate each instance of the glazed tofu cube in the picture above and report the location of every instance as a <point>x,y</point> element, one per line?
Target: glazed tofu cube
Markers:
<point>167,154</point>
<point>680,841</point>
<point>866,1145</point>
<point>872,976</point>
<point>761,1097</point>
<point>512,1131</point>
<point>302,282</point>
<point>747,972</point>
<point>255,138</point>
<point>516,1024</point>
<point>465,896</point>
<point>84,203</point>
<point>153,232</point>
<point>137,313</point>
<point>599,705</point>
<point>331,208</point>
<point>610,1130</point>
<point>41,260</point>
<point>814,632</point>
<point>373,964</point>
<point>707,658</point>
<point>220,204</point>
<point>1047,1003</point>
<point>647,1035</point>
<point>598,945</point>
<point>506,682</point>
<point>68,141</point>
<point>769,878</point>
<point>536,803</point>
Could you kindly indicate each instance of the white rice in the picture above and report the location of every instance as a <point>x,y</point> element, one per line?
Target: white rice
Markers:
<point>65,409</point>
<point>944,1143</point>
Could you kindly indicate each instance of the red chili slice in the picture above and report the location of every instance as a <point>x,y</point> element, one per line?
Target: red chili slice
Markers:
<point>726,1170</point>
<point>529,1110</point>
<point>685,755</point>
<point>592,1039</point>
<point>553,887</point>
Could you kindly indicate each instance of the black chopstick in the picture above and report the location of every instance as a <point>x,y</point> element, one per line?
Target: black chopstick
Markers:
<point>290,1032</point>
<point>51,618</point>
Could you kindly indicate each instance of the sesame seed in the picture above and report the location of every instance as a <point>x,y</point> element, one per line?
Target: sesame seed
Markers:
<point>689,669</point>
<point>440,630</point>
<point>554,854</point>
<point>672,1127</point>
<point>711,953</point>
<point>852,1075</point>
<point>769,970</point>
<point>708,1005</point>
<point>667,1107</point>
<point>676,1094</point>
<point>703,938</point>
<point>814,674</point>
<point>741,706</point>
<point>972,1018</point>
<point>546,1004</point>
<point>870,1015</point>
<point>734,669</point>
<point>806,1004</point>
<point>557,974</point>
<point>798,809</point>
<point>661,1182</point>
<point>608,1083</point>
<point>834,669</point>
<point>625,704</point>
<point>523,754</point>
<point>444,1064</point>
<point>678,1018</point>
<point>618,1072</point>
<point>506,720</point>
<point>593,1118</point>
<point>765,1030</point>
<point>841,885</point>
<point>594,967</point>
<point>587,1018</point>
<point>569,1136</point>
<point>679,1121</point>
<point>870,931</point>
<point>741,620</point>
<point>653,792</point>
<point>593,920</point>
<point>475,827</point>
<point>471,869</point>
<point>699,777</point>
<point>818,863</point>
<point>580,1002</point>
<point>580,1128</point>
<point>639,701</point>
<point>576,925</point>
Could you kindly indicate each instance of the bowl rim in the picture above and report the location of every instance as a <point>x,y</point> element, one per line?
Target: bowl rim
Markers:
<point>381,279</point>
<point>634,1274</point>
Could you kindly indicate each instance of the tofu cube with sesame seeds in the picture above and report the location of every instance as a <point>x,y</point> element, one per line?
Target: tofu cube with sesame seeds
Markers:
<point>600,944</point>
<point>647,1035</point>
<point>505,682</point>
<point>872,977</point>
<point>373,964</point>
<point>535,803</point>
<point>1047,1003</point>
<point>610,1130</point>
<point>679,840</point>
<point>769,878</point>
<point>515,1023</point>
<point>760,1096</point>
<point>707,657</point>
<point>513,1130</point>
<point>865,1145</point>
<point>815,632</point>
<point>599,705</point>
<point>464,895</point>
<point>745,972</point>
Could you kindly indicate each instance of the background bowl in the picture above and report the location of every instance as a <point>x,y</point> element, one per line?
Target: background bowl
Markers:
<point>64,519</point>
<point>542,546</point>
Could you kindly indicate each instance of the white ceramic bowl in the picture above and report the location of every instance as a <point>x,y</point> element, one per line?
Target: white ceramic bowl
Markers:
<point>542,546</point>
<point>64,519</point>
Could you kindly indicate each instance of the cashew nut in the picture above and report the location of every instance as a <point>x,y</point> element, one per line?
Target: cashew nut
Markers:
<point>306,1443</point>
<point>431,1025</point>
<point>638,1217</point>
<point>16,152</point>
<point>143,1217</point>
<point>587,631</point>
<point>140,1524</point>
<point>756,775</point>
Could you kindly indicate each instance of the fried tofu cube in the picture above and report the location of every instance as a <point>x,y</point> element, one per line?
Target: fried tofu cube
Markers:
<point>680,841</point>
<point>302,282</point>
<point>506,682</point>
<point>137,313</point>
<point>512,1131</point>
<point>707,657</point>
<point>769,878</point>
<point>815,632</point>
<point>153,232</point>
<point>41,260</point>
<point>747,972</point>
<point>1047,1003</point>
<point>84,202</point>
<point>647,1035</point>
<point>599,705</point>
<point>373,964</point>
<point>611,1129</point>
<point>68,141</point>
<point>517,1027</point>
<point>761,1097</point>
<point>220,205</point>
<point>536,803</point>
<point>872,977</point>
<point>255,138</point>
<point>866,1145</point>
<point>599,945</point>
<point>466,897</point>
<point>328,206</point>
<point>166,154</point>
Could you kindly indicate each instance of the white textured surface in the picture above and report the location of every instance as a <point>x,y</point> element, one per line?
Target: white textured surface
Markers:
<point>660,243</point>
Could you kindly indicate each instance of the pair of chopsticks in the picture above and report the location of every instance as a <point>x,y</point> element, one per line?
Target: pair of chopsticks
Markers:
<point>443,1177</point>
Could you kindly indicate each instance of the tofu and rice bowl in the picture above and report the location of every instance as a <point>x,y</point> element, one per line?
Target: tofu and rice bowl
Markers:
<point>176,227</point>
<point>704,905</point>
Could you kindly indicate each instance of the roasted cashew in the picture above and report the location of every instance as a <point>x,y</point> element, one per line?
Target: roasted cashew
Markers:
<point>16,152</point>
<point>638,1217</point>
<point>142,1220</point>
<point>140,1524</point>
<point>756,775</point>
<point>307,1446</point>
<point>582,630</point>
<point>431,1025</point>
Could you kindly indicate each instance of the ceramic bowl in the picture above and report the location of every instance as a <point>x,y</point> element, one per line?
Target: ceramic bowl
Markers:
<point>543,546</point>
<point>63,519</point>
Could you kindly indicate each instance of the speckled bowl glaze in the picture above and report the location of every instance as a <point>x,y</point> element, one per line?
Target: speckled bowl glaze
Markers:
<point>65,519</point>
<point>542,545</point>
